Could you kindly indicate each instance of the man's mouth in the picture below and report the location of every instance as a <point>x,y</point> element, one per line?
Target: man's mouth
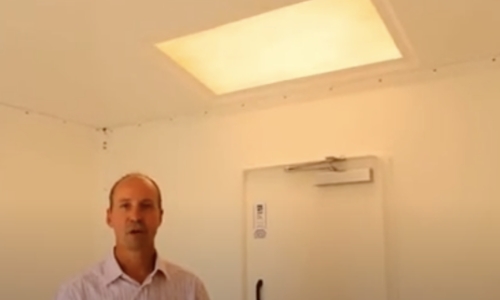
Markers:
<point>136,231</point>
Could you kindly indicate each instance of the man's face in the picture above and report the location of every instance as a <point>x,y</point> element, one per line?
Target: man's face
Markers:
<point>135,213</point>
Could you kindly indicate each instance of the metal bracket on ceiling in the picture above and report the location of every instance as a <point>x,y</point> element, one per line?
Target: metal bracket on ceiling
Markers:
<point>329,163</point>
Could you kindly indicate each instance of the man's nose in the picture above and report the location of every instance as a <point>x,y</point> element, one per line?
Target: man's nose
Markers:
<point>135,213</point>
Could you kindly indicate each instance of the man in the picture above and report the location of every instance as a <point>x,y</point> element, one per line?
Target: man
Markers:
<point>134,269</point>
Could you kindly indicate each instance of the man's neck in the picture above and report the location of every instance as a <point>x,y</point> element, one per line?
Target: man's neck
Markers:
<point>136,264</point>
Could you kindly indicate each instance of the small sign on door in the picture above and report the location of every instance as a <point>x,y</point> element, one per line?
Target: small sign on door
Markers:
<point>259,216</point>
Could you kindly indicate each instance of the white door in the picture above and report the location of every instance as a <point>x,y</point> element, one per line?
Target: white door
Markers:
<point>320,243</point>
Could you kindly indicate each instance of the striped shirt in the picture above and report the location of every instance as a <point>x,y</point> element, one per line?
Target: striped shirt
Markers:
<point>106,281</point>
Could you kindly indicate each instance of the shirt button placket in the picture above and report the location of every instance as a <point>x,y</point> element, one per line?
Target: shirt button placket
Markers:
<point>138,294</point>
<point>142,293</point>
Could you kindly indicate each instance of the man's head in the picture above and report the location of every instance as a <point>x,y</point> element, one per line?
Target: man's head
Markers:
<point>135,211</point>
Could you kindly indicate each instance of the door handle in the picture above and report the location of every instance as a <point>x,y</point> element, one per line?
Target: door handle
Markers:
<point>258,289</point>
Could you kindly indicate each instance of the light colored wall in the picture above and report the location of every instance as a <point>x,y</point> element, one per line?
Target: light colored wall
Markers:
<point>440,134</point>
<point>48,172</point>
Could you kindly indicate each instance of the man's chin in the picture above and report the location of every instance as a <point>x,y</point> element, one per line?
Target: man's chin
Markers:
<point>137,243</point>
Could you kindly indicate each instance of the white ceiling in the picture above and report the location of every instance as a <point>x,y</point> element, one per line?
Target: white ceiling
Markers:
<point>94,62</point>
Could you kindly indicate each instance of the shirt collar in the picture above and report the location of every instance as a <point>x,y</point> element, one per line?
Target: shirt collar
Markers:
<point>112,270</point>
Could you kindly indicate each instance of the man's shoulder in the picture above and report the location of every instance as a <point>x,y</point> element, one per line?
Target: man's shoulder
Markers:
<point>91,275</point>
<point>182,276</point>
<point>177,271</point>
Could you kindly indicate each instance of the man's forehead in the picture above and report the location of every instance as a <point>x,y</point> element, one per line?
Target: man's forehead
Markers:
<point>134,183</point>
<point>125,198</point>
<point>135,187</point>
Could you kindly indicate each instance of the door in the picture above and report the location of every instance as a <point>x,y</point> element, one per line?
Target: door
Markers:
<point>314,243</point>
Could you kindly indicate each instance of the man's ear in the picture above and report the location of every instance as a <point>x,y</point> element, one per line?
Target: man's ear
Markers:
<point>108,217</point>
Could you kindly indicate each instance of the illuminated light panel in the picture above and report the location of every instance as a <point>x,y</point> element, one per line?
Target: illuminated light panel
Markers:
<point>305,39</point>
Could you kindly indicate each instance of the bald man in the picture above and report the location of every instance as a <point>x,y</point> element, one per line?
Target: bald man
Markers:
<point>134,269</point>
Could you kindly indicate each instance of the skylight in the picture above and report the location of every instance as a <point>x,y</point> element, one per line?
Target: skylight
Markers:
<point>305,39</point>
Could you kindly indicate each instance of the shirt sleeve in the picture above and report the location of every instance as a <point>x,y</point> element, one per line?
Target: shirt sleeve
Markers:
<point>201,292</point>
<point>67,292</point>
